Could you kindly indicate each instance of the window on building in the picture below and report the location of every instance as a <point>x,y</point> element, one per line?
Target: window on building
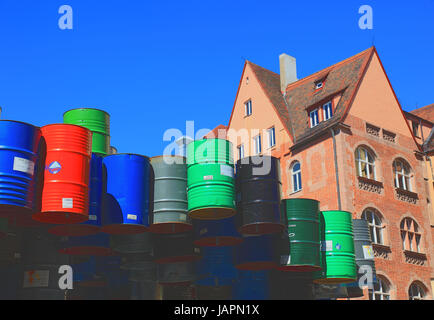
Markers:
<point>415,128</point>
<point>402,172</point>
<point>410,235</point>
<point>271,137</point>
<point>375,225</point>
<point>416,292</point>
<point>381,290</point>
<point>241,151</point>
<point>248,106</point>
<point>314,119</point>
<point>327,111</point>
<point>365,163</point>
<point>257,143</point>
<point>319,85</point>
<point>296,177</point>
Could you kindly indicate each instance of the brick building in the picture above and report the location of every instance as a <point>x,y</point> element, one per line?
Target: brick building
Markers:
<point>342,138</point>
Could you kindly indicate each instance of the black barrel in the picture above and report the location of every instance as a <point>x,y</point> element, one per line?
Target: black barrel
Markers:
<point>40,267</point>
<point>170,248</point>
<point>214,293</point>
<point>291,285</point>
<point>258,188</point>
<point>329,291</point>
<point>364,259</point>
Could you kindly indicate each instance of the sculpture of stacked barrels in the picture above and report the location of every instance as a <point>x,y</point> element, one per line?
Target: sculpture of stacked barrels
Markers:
<point>168,227</point>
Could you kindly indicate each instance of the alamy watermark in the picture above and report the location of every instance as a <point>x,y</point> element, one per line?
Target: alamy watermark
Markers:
<point>66,20</point>
<point>366,21</point>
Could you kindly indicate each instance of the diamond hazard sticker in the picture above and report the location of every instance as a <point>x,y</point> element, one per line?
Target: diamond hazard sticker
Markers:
<point>54,167</point>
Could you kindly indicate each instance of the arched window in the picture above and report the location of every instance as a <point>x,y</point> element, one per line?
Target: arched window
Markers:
<point>410,235</point>
<point>296,177</point>
<point>365,163</point>
<point>402,173</point>
<point>416,292</point>
<point>375,225</point>
<point>381,290</point>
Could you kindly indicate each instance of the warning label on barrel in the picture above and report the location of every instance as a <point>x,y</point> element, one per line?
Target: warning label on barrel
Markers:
<point>67,203</point>
<point>203,231</point>
<point>36,279</point>
<point>24,165</point>
<point>327,245</point>
<point>226,171</point>
<point>131,217</point>
<point>368,252</point>
<point>93,217</point>
<point>208,177</point>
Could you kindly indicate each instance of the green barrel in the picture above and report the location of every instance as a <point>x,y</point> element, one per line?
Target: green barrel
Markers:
<point>302,239</point>
<point>95,120</point>
<point>210,179</point>
<point>337,256</point>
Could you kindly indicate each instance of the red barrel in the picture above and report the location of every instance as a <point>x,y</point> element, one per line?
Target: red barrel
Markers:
<point>65,194</point>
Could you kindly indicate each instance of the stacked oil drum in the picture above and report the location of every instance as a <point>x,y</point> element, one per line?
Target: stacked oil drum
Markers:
<point>131,227</point>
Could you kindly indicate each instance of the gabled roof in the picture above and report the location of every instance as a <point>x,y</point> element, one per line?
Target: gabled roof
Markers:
<point>426,112</point>
<point>341,78</point>
<point>219,132</point>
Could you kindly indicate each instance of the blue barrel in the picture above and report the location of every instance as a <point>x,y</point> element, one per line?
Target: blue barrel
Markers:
<point>257,253</point>
<point>96,188</point>
<point>215,233</point>
<point>126,204</point>
<point>10,277</point>
<point>252,285</point>
<point>85,274</point>
<point>216,268</point>
<point>20,144</point>
<point>93,245</point>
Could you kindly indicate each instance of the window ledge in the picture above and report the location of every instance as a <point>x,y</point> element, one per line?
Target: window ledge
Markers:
<point>371,181</point>
<point>413,257</point>
<point>407,193</point>
<point>381,250</point>
<point>295,192</point>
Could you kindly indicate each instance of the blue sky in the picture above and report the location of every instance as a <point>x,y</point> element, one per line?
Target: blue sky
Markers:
<point>154,65</point>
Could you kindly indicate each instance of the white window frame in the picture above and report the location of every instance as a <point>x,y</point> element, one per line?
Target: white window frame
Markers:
<point>375,228</point>
<point>410,231</point>
<point>241,151</point>
<point>312,119</point>
<point>248,107</point>
<point>296,175</point>
<point>359,161</point>
<point>327,110</point>
<point>271,137</point>
<point>401,176</point>
<point>257,144</point>
<point>420,292</point>
<point>383,291</point>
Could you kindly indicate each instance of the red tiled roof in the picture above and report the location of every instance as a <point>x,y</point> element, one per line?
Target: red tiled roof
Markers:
<point>218,132</point>
<point>341,78</point>
<point>426,112</point>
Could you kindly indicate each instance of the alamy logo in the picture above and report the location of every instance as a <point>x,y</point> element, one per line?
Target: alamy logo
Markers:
<point>65,21</point>
<point>366,21</point>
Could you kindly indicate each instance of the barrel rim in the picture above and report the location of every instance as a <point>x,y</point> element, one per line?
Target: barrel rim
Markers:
<point>22,122</point>
<point>168,155</point>
<point>328,211</point>
<point>66,124</point>
<point>125,153</point>
<point>258,156</point>
<point>96,109</point>
<point>285,199</point>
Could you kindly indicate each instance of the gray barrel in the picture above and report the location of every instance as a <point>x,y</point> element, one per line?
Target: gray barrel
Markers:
<point>136,261</point>
<point>147,273</point>
<point>132,243</point>
<point>329,291</point>
<point>170,211</point>
<point>40,267</point>
<point>291,285</point>
<point>176,273</point>
<point>214,293</point>
<point>143,290</point>
<point>364,258</point>
<point>179,292</point>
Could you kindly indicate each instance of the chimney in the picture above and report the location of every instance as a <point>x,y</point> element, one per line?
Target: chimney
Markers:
<point>288,71</point>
